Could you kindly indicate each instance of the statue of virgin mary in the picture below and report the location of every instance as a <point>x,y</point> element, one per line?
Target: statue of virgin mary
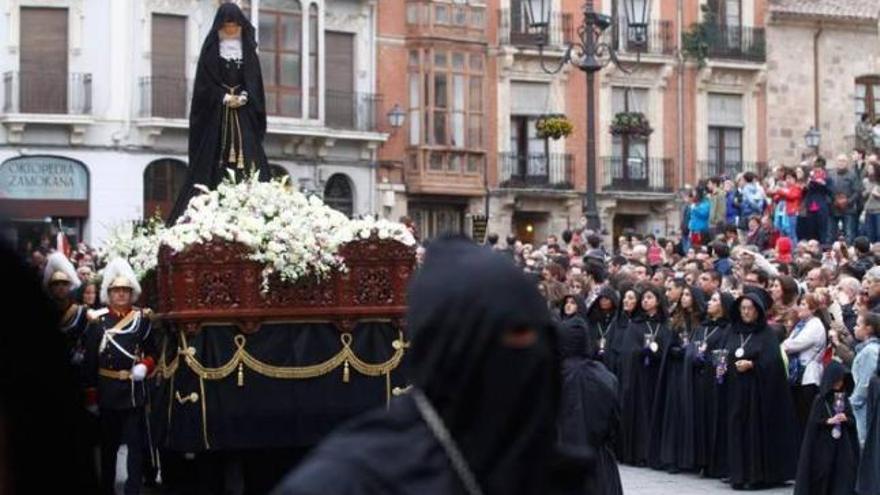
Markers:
<point>227,120</point>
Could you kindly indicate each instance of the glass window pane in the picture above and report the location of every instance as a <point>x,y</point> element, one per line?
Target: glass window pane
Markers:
<point>478,18</point>
<point>861,90</point>
<point>291,105</point>
<point>441,14</point>
<point>271,103</point>
<point>440,98</point>
<point>458,61</point>
<point>440,59</point>
<point>412,13</point>
<point>474,163</point>
<point>475,133</point>
<point>436,161</point>
<point>440,127</point>
<point>475,99</point>
<point>267,32</point>
<point>455,163</point>
<point>458,130</point>
<point>617,146</point>
<point>267,65</point>
<point>476,62</point>
<point>414,58</point>
<point>290,70</point>
<point>291,28</point>
<point>458,92</point>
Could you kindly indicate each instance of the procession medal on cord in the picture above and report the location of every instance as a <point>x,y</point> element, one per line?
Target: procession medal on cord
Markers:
<point>704,345</point>
<point>652,338</point>
<point>601,339</point>
<point>741,350</point>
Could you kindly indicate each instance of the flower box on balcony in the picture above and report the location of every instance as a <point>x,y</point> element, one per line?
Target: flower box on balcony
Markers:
<point>633,123</point>
<point>554,127</point>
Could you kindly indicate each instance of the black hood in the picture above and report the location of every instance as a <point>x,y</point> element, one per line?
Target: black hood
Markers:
<point>594,313</point>
<point>759,298</point>
<point>700,300</point>
<point>581,308</point>
<point>727,305</point>
<point>833,373</point>
<point>638,310</point>
<point>572,337</point>
<point>499,403</point>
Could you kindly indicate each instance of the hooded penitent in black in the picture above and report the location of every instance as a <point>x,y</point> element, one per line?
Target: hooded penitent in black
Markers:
<point>828,465</point>
<point>500,403</point>
<point>641,348</point>
<point>710,425</point>
<point>589,410</point>
<point>762,442</point>
<point>222,138</point>
<point>673,446</point>
<point>869,468</point>
<point>601,327</point>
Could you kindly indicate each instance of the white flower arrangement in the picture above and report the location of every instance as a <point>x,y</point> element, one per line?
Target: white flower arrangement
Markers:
<point>136,242</point>
<point>290,234</point>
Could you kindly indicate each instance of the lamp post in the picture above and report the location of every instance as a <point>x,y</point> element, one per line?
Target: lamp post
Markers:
<point>812,139</point>
<point>589,54</point>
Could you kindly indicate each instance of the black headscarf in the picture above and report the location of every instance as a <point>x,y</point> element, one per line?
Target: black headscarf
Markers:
<point>572,339</point>
<point>595,313</point>
<point>499,403</point>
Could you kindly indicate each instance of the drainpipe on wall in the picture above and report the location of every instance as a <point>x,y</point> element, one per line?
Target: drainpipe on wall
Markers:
<point>816,77</point>
<point>680,95</point>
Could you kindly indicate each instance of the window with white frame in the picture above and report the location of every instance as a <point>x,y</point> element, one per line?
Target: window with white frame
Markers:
<point>629,151</point>
<point>725,140</point>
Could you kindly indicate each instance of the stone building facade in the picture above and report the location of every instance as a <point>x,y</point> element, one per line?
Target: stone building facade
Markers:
<point>823,71</point>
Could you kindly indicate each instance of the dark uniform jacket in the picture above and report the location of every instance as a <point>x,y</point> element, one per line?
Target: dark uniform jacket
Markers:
<point>114,344</point>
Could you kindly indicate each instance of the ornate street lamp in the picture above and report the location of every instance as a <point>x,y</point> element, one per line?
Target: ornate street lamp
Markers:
<point>813,138</point>
<point>590,54</point>
<point>396,117</point>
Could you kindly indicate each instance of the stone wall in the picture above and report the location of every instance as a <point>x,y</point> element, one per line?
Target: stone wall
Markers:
<point>846,52</point>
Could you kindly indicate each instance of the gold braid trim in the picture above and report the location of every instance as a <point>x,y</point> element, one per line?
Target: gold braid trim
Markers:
<point>345,358</point>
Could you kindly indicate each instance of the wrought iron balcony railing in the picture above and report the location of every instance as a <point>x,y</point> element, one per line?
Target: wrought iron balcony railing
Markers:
<point>47,92</point>
<point>638,174</point>
<point>536,171</point>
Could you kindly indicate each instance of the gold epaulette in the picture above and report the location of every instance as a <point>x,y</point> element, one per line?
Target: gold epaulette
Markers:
<point>95,314</point>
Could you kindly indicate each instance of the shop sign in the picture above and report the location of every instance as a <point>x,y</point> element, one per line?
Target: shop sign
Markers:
<point>44,178</point>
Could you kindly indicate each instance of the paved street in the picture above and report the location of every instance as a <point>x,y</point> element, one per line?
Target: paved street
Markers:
<point>643,481</point>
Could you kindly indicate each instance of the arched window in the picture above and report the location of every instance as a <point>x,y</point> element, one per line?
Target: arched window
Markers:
<point>338,194</point>
<point>163,180</point>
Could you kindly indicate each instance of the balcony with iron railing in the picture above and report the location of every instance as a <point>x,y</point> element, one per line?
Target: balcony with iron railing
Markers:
<point>736,43</point>
<point>660,39</point>
<point>714,168</point>
<point>47,92</point>
<point>352,111</point>
<point>638,175</point>
<point>536,171</point>
<point>164,98</point>
<point>513,29</point>
<point>427,18</point>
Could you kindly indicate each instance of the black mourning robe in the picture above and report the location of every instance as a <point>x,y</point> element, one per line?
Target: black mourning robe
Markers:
<point>639,372</point>
<point>673,445</point>
<point>710,432</point>
<point>498,403</point>
<point>869,468</point>
<point>828,466</point>
<point>589,409</point>
<point>222,139</point>
<point>762,445</point>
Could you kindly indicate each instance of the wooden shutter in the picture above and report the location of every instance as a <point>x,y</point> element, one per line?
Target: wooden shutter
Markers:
<point>340,102</point>
<point>43,60</point>
<point>168,88</point>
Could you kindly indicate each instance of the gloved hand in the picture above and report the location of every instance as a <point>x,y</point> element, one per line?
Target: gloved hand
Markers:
<point>92,401</point>
<point>139,372</point>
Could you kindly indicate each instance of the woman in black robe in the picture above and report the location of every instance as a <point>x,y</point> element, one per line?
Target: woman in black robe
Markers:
<point>601,324</point>
<point>482,413</point>
<point>869,467</point>
<point>673,418</point>
<point>762,444</point>
<point>642,348</point>
<point>589,409</point>
<point>710,429</point>
<point>227,119</point>
<point>829,457</point>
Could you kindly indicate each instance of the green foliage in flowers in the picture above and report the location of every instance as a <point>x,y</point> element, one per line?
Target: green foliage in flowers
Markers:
<point>631,123</point>
<point>554,127</point>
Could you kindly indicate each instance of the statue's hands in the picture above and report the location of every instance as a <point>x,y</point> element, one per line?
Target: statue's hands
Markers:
<point>235,101</point>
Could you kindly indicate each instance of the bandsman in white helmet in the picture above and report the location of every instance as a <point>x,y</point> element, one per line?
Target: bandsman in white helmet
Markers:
<point>59,281</point>
<point>120,355</point>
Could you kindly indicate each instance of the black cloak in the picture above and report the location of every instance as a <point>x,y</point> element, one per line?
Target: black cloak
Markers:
<point>500,404</point>
<point>710,427</point>
<point>762,445</point>
<point>209,145</point>
<point>673,428</point>
<point>589,409</point>
<point>601,327</point>
<point>828,466</point>
<point>639,371</point>
<point>869,468</point>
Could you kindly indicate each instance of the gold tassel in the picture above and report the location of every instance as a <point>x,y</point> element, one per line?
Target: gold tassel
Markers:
<point>232,152</point>
<point>241,374</point>
<point>240,159</point>
<point>345,373</point>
